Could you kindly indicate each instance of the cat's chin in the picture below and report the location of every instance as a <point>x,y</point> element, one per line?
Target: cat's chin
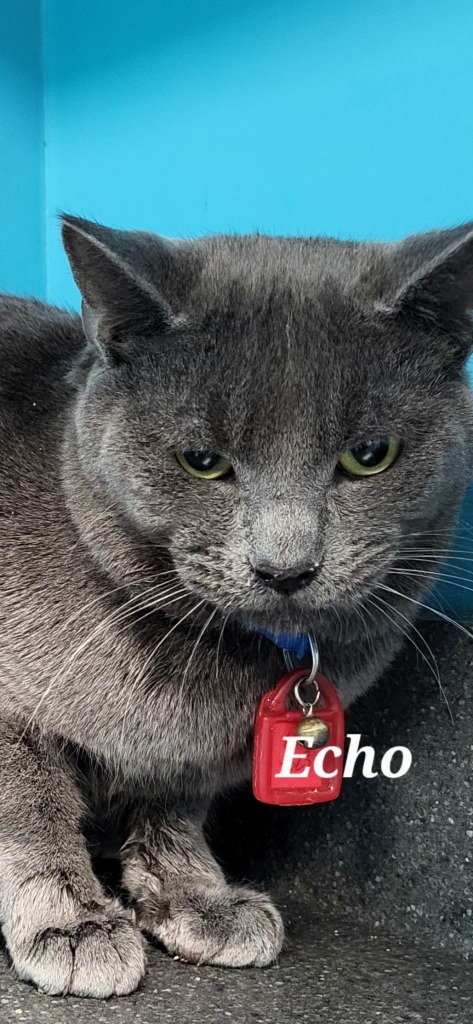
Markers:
<point>293,625</point>
<point>296,621</point>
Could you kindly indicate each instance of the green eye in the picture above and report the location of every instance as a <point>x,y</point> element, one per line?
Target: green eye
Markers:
<point>207,465</point>
<point>370,457</point>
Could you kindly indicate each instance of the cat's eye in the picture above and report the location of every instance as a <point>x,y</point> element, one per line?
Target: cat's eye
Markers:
<point>370,457</point>
<point>207,465</point>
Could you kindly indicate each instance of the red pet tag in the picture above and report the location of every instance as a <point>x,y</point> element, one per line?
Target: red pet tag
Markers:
<point>287,769</point>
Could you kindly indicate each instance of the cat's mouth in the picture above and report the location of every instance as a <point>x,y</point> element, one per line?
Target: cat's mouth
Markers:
<point>301,612</point>
<point>258,605</point>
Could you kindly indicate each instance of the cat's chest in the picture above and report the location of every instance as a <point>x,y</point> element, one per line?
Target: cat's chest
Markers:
<point>197,731</point>
<point>164,712</point>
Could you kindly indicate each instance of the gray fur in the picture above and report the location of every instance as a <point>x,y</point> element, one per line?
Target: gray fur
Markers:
<point>129,675</point>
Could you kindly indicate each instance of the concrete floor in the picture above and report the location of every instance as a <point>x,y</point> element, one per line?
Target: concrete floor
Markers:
<point>376,889</point>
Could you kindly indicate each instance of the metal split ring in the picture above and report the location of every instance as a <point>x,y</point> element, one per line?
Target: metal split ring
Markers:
<point>307,705</point>
<point>314,650</point>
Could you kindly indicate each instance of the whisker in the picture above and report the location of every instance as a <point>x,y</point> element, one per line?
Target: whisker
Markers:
<point>105,594</point>
<point>194,648</point>
<point>428,608</point>
<point>432,666</point>
<point>361,610</point>
<point>461,555</point>
<point>114,618</point>
<point>467,574</point>
<point>173,628</point>
<point>142,673</point>
<point>431,575</point>
<point>219,642</point>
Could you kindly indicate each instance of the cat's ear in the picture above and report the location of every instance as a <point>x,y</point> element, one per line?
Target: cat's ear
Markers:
<point>439,294</point>
<point>113,271</point>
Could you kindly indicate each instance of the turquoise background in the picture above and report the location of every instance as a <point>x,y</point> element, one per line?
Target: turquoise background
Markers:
<point>22,196</point>
<point>344,117</point>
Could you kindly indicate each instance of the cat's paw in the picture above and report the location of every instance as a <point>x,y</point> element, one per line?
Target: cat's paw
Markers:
<point>99,956</point>
<point>226,925</point>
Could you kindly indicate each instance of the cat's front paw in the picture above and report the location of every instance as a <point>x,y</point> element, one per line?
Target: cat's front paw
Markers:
<point>99,956</point>
<point>226,925</point>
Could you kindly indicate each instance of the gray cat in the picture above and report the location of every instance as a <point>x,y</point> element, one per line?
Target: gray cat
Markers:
<point>242,434</point>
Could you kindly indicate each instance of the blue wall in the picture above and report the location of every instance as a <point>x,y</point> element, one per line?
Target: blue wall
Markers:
<point>22,249</point>
<point>351,117</point>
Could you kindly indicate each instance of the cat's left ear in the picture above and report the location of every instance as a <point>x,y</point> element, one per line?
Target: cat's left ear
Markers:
<point>114,272</point>
<point>439,295</point>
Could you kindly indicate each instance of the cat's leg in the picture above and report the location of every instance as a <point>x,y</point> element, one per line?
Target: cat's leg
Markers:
<point>63,933</point>
<point>182,898</point>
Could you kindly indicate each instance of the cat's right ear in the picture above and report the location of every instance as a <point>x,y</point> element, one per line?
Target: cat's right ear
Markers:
<point>112,269</point>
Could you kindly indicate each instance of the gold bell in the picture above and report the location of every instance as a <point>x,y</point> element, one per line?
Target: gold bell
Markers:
<point>312,732</point>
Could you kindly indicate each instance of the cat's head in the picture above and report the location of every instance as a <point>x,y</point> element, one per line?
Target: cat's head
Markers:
<point>288,417</point>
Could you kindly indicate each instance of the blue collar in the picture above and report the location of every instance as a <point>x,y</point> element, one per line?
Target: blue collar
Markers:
<point>298,646</point>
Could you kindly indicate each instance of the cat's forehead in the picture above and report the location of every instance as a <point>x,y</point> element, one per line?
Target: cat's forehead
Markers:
<point>284,322</point>
<point>287,370</point>
<point>283,318</point>
<point>287,340</point>
<point>258,268</point>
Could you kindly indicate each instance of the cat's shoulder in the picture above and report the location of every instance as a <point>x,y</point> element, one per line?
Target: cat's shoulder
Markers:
<point>36,343</point>
<point>29,324</point>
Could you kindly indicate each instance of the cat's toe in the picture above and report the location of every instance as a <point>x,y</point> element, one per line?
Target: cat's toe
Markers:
<point>100,957</point>
<point>226,926</point>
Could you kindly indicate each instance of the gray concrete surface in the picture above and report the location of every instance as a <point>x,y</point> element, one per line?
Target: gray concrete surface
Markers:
<point>334,979</point>
<point>376,889</point>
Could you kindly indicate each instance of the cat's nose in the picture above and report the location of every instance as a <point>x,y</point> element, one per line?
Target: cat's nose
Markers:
<point>286,580</point>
